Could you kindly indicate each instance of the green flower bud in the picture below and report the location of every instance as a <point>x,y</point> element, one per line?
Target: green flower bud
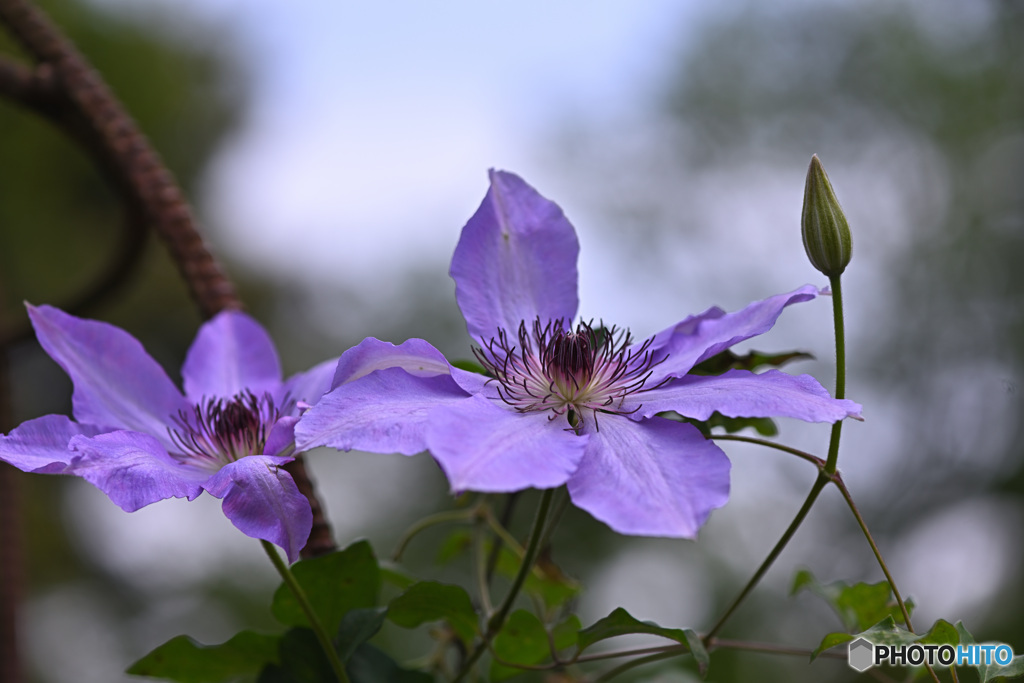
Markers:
<point>823,224</point>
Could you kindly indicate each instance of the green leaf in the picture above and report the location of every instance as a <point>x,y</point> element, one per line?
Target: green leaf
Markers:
<point>454,546</point>
<point>469,366</point>
<point>396,575</point>
<point>885,632</point>
<point>699,652</point>
<point>941,633</point>
<point>432,601</point>
<point>857,606</point>
<point>620,623</point>
<point>302,660</point>
<point>727,360</point>
<point>358,626</point>
<point>990,672</point>
<point>370,665</point>
<point>546,581</point>
<point>524,640</point>
<point>185,660</point>
<point>334,584</point>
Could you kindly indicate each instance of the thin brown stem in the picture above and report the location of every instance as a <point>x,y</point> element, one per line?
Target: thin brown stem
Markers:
<point>95,118</point>
<point>136,166</point>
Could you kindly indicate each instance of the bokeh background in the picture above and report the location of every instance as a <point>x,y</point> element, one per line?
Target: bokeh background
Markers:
<point>334,151</point>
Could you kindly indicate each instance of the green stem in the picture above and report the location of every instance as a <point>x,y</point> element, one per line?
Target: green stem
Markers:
<point>819,484</point>
<point>837,315</point>
<point>495,622</point>
<point>641,661</point>
<point>429,521</point>
<point>303,600</point>
<point>841,485</point>
<point>815,460</point>
<point>874,548</point>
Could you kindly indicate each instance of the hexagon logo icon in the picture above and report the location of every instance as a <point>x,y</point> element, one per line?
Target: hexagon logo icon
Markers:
<point>861,655</point>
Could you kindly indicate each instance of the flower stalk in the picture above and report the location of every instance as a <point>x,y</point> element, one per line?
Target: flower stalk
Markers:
<point>307,608</point>
<point>495,622</point>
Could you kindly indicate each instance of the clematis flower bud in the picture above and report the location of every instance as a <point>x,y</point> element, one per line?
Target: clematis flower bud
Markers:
<point>823,224</point>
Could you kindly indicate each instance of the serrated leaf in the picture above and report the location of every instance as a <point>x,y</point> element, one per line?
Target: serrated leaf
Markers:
<point>620,623</point>
<point>857,606</point>
<point>358,626</point>
<point>432,601</point>
<point>187,661</point>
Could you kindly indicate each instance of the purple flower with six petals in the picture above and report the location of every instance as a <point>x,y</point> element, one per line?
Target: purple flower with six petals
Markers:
<point>562,404</point>
<point>139,440</point>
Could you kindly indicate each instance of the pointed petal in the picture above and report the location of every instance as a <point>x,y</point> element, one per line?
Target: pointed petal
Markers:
<point>41,445</point>
<point>117,384</point>
<point>262,501</point>
<point>482,445</point>
<point>740,393</point>
<point>231,353</point>
<point>383,412</point>
<point>416,356</point>
<point>655,477</point>
<point>701,336</point>
<point>134,469</point>
<point>282,436</point>
<point>307,387</point>
<point>515,261</point>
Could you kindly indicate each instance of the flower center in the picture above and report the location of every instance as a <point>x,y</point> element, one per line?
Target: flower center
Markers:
<point>565,371</point>
<point>219,431</point>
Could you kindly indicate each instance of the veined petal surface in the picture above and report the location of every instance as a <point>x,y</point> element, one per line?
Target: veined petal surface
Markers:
<point>700,337</point>
<point>655,477</point>
<point>386,411</point>
<point>134,469</point>
<point>262,501</point>
<point>515,261</point>
<point>117,384</point>
<point>231,353</point>
<point>741,393</point>
<point>41,445</point>
<point>484,446</point>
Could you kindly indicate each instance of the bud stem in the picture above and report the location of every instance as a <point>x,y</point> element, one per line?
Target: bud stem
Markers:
<point>837,314</point>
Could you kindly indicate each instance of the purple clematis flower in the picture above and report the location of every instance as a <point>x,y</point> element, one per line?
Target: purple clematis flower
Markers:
<point>563,403</point>
<point>139,440</point>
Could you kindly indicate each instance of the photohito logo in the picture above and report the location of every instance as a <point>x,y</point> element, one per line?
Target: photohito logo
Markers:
<point>863,654</point>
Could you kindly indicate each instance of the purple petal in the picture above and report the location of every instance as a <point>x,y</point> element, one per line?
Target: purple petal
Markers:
<point>384,412</point>
<point>41,445</point>
<point>116,383</point>
<point>515,261</point>
<point>261,499</point>
<point>655,477</point>
<point>739,393</point>
<point>416,356</point>
<point>231,353</point>
<point>307,387</point>
<point>282,436</point>
<point>701,336</point>
<point>482,445</point>
<point>134,469</point>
